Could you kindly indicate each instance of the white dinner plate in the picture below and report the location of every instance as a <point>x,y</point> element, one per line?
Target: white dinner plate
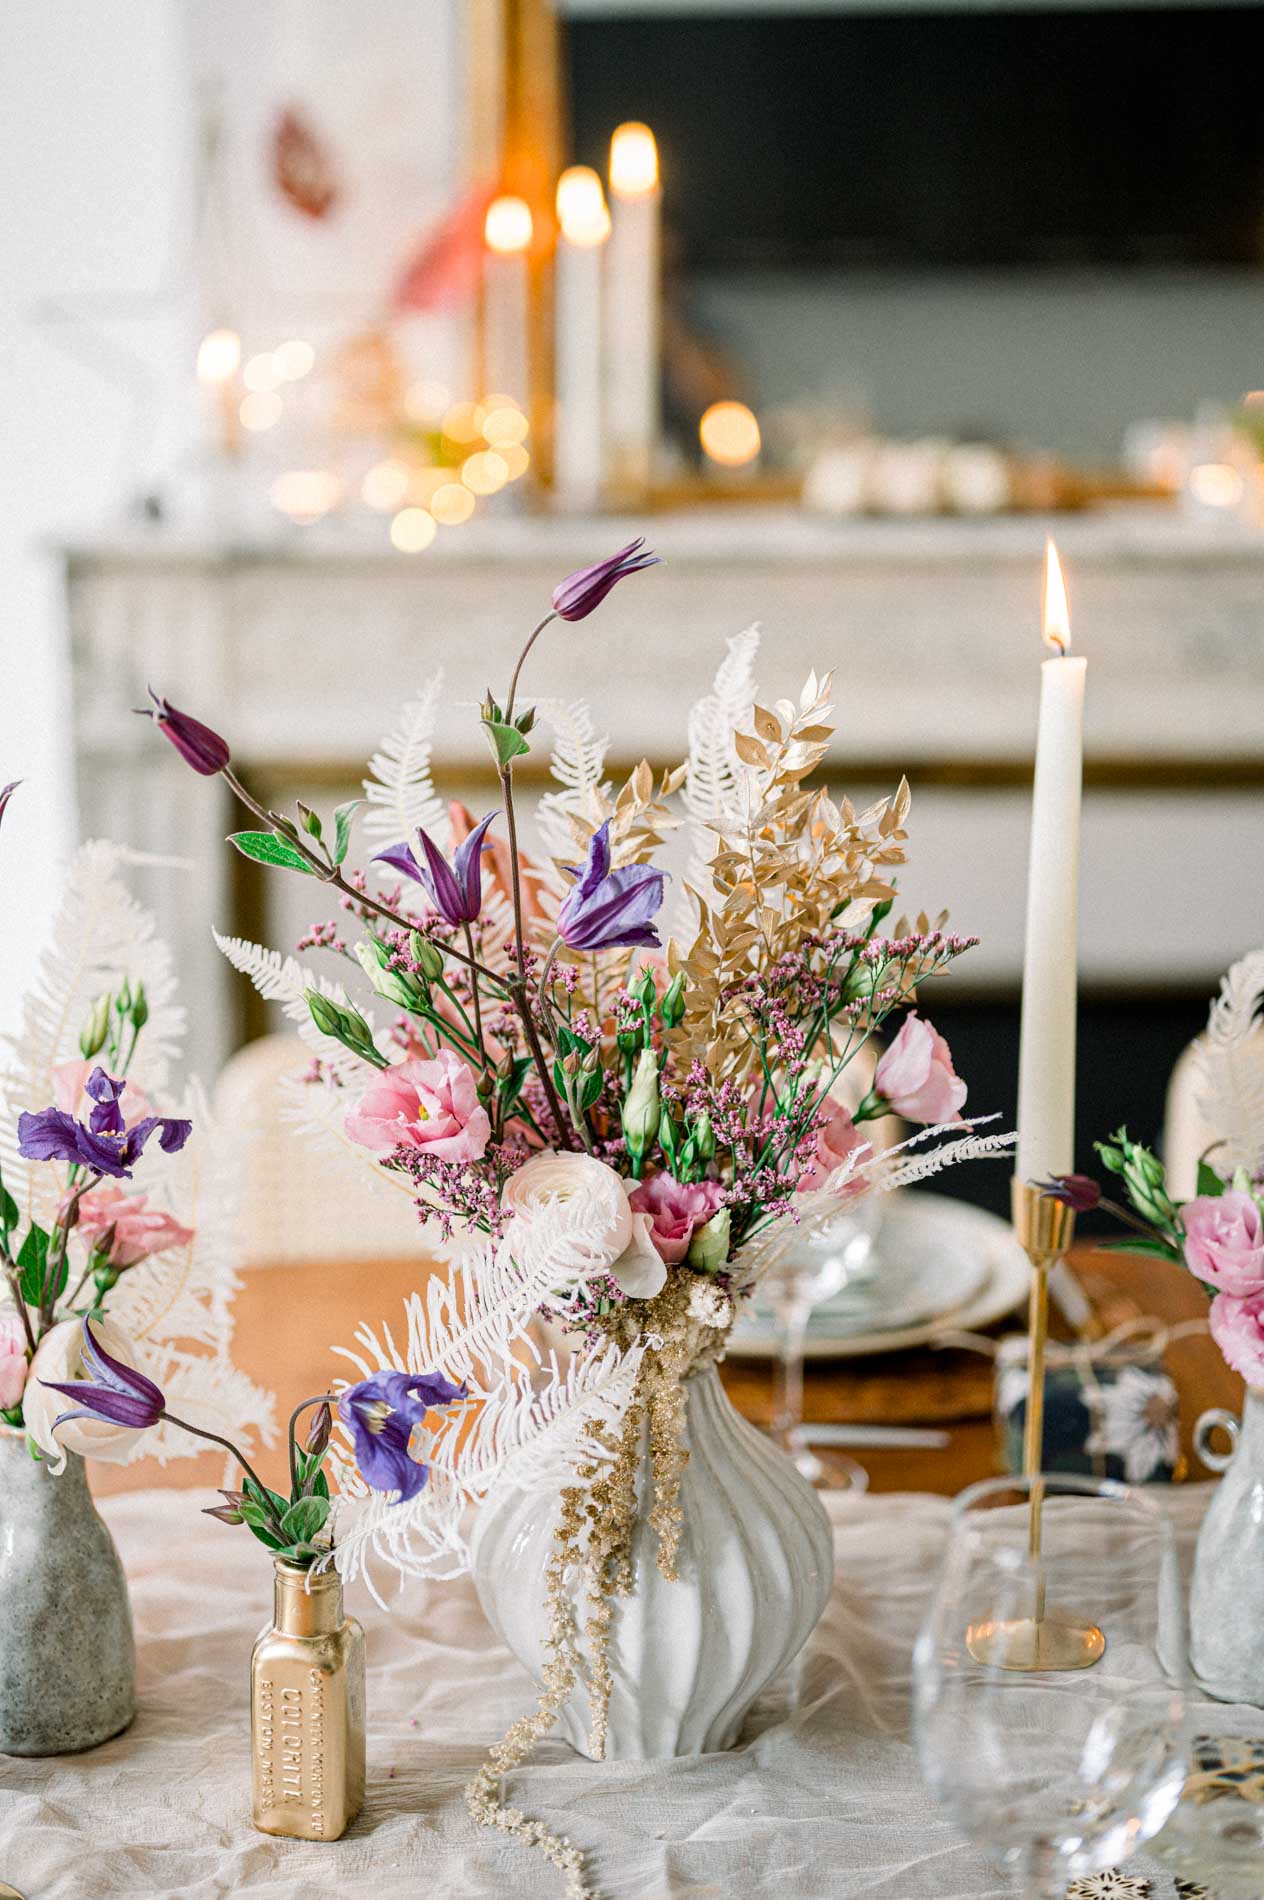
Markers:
<point>978,1254</point>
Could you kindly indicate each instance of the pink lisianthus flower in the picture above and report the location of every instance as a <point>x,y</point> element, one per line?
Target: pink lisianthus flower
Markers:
<point>1224,1242</point>
<point>675,1209</point>
<point>69,1086</point>
<point>12,1360</point>
<point>915,1076</point>
<point>839,1146</point>
<point>428,1103</point>
<point>139,1230</point>
<point>1237,1326</point>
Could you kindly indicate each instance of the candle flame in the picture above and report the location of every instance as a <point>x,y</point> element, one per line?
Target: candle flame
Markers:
<point>1057,615</point>
<point>581,207</point>
<point>633,161</point>
<point>508,225</point>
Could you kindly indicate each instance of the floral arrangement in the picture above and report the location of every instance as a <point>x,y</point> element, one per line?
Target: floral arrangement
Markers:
<point>617,1133</point>
<point>1218,1234</point>
<point>116,1204</point>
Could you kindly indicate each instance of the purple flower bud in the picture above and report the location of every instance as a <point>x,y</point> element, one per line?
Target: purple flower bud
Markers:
<point>197,745</point>
<point>6,793</point>
<point>577,596</point>
<point>1078,1191</point>
<point>321,1428</point>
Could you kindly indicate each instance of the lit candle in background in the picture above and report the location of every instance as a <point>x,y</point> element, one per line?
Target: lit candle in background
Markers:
<point>583,227</point>
<point>632,310</point>
<point>1046,1061</point>
<point>218,360</point>
<point>507,231</point>
<point>729,434</point>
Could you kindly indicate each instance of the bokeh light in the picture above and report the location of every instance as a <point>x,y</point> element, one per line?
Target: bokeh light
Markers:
<point>413,530</point>
<point>729,434</point>
<point>452,504</point>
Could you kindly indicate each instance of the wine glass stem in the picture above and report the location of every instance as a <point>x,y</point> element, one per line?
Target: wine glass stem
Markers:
<point>788,1409</point>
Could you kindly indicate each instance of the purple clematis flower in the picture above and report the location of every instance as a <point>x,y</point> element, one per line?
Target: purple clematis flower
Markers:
<point>6,793</point>
<point>111,1390</point>
<point>577,596</point>
<point>1078,1191</point>
<point>197,745</point>
<point>103,1143</point>
<point>381,1413</point>
<point>456,889</point>
<point>607,909</point>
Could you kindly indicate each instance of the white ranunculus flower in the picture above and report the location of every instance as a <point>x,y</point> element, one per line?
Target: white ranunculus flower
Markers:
<point>576,1208</point>
<point>58,1358</point>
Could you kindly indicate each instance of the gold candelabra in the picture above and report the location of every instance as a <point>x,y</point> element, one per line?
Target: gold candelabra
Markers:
<point>1051,1640</point>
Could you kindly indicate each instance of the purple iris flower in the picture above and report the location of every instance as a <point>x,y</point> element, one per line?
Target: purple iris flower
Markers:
<point>576,596</point>
<point>607,909</point>
<point>456,889</point>
<point>197,745</point>
<point>110,1390</point>
<point>104,1142</point>
<point>381,1413</point>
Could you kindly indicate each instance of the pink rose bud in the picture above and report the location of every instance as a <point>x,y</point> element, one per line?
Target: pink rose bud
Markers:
<point>1224,1242</point>
<point>915,1076</point>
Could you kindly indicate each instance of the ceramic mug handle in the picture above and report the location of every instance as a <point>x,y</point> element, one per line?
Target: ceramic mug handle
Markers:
<point>1216,1420</point>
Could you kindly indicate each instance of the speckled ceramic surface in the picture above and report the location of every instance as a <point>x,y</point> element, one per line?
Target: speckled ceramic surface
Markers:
<point>67,1666</point>
<point>1226,1606</point>
<point>689,1657</point>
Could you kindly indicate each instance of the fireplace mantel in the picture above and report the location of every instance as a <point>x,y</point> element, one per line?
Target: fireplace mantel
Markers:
<point>299,649</point>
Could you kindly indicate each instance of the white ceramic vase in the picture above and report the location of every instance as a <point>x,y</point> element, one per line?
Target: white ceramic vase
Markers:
<point>1226,1605</point>
<point>688,1658</point>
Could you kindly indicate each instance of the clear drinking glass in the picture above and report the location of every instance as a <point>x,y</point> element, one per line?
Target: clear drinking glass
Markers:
<point>805,1278</point>
<point>1055,1772</point>
<point>1216,1834</point>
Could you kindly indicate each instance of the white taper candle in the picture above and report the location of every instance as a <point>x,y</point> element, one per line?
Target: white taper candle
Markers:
<point>583,227</point>
<point>1046,1060</point>
<point>632,309</point>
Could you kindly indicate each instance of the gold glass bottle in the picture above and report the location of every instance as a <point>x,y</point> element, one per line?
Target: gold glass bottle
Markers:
<point>307,1710</point>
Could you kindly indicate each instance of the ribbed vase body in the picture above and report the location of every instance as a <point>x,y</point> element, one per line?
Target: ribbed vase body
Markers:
<point>688,1657</point>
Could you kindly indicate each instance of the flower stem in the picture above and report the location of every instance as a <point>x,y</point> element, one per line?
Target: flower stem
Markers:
<point>513,684</point>
<point>478,1006</point>
<point>15,1284</point>
<point>199,1431</point>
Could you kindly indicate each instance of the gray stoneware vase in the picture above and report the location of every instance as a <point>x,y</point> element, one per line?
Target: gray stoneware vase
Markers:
<point>1226,1605</point>
<point>67,1662</point>
<point>688,1658</point>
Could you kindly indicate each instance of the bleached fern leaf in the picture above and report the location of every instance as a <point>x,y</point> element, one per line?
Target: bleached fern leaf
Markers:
<point>100,936</point>
<point>577,764</point>
<point>714,773</point>
<point>1229,1066</point>
<point>284,980</point>
<point>399,788</point>
<point>207,1390</point>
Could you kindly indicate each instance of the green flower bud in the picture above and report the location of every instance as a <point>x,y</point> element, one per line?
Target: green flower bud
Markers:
<point>642,1109</point>
<point>311,821</point>
<point>672,1007</point>
<point>646,991</point>
<point>709,1248</point>
<point>372,954</point>
<point>703,1136</point>
<point>325,1014</point>
<point>140,1007</point>
<point>94,1032</point>
<point>628,1041</point>
<point>426,955</point>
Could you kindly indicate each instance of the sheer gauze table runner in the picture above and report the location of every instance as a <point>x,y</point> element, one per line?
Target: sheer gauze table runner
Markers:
<point>821,1802</point>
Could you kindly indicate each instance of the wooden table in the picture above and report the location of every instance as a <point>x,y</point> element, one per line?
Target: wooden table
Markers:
<point>287,1317</point>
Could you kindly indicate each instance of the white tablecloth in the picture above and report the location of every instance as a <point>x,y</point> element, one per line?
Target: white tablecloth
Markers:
<point>821,1802</point>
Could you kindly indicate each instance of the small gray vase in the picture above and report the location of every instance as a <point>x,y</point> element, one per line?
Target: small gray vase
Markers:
<point>67,1660</point>
<point>1226,1605</point>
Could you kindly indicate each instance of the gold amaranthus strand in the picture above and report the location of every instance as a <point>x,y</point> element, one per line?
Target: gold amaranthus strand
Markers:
<point>594,1539</point>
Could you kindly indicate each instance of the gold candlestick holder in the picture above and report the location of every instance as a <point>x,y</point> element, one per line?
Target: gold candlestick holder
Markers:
<point>1050,1640</point>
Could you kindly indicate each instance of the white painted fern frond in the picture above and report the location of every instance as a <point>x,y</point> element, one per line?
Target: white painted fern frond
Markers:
<point>1229,1066</point>
<point>207,1390</point>
<point>100,936</point>
<point>399,789</point>
<point>284,980</point>
<point>714,774</point>
<point>577,764</point>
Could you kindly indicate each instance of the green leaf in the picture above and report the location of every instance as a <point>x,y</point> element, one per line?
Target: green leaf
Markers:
<point>32,1263</point>
<point>264,1497</point>
<point>265,848</point>
<point>264,1535</point>
<point>1209,1182</point>
<point>342,828</point>
<point>304,1553</point>
<point>8,1210</point>
<point>506,742</point>
<point>303,1520</point>
<point>1138,1243</point>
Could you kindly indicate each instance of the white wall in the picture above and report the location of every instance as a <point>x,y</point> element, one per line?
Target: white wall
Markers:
<point>93,176</point>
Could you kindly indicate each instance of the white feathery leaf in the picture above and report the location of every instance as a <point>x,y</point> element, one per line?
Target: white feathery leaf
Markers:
<point>207,1390</point>
<point>715,775</point>
<point>1229,1066</point>
<point>399,788</point>
<point>577,763</point>
<point>284,980</point>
